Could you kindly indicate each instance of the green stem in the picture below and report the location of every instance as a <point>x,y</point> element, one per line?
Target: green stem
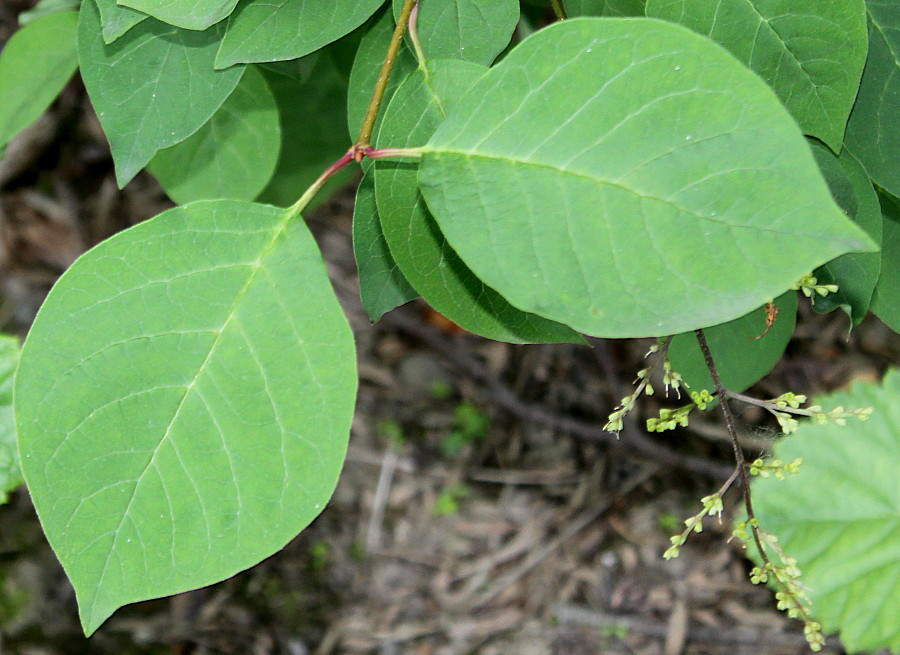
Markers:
<point>316,186</point>
<point>559,9</point>
<point>391,153</point>
<point>772,407</point>
<point>414,36</point>
<point>364,140</point>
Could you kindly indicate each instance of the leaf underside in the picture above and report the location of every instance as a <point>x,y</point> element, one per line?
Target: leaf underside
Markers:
<point>184,416</point>
<point>629,178</point>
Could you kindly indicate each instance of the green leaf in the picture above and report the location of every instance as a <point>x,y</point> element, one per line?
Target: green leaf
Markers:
<point>115,20</point>
<point>629,178</point>
<point>194,15</point>
<point>232,156</point>
<point>10,471</point>
<point>35,65</point>
<point>367,65</point>
<point>152,88</point>
<point>741,359</point>
<point>382,286</point>
<point>416,243</point>
<point>872,133</point>
<point>840,516</point>
<point>886,299</point>
<point>313,115</point>
<point>812,54</point>
<point>576,8</point>
<point>855,273</point>
<point>47,7</point>
<point>183,416</point>
<point>271,30</point>
<point>471,30</point>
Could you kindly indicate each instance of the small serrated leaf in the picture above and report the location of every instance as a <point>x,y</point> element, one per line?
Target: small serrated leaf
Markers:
<point>840,516</point>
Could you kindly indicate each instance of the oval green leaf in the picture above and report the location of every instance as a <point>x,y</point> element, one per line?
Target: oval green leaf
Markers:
<point>471,30</point>
<point>232,156</point>
<point>872,133</point>
<point>10,471</point>
<point>273,30</point>
<point>184,416</point>
<point>194,15</point>
<point>855,273</point>
<point>152,88</point>
<point>416,243</point>
<point>35,64</point>
<point>115,19</point>
<point>628,177</point>
<point>382,286</point>
<point>812,54</point>
<point>741,358</point>
<point>840,516</point>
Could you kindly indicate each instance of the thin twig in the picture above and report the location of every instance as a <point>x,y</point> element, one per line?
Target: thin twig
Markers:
<point>364,140</point>
<point>724,397</point>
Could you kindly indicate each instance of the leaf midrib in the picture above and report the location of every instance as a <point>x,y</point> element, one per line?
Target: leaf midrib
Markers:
<point>278,230</point>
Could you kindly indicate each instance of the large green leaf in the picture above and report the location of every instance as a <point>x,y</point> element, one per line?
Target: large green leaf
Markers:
<point>741,358</point>
<point>10,471</point>
<point>416,243</point>
<point>604,7</point>
<point>271,30</point>
<point>811,53</point>
<point>232,156</point>
<point>194,15</point>
<point>382,286</point>
<point>313,115</point>
<point>855,273</point>
<point>367,65</point>
<point>886,299</point>
<point>840,516</point>
<point>35,64</point>
<point>115,20</point>
<point>872,133</point>
<point>183,416</point>
<point>628,177</point>
<point>152,88</point>
<point>471,30</point>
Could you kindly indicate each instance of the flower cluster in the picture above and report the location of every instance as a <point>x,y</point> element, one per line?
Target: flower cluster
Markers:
<point>712,506</point>
<point>810,286</point>
<point>614,422</point>
<point>775,467</point>
<point>669,419</point>
<point>790,593</point>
